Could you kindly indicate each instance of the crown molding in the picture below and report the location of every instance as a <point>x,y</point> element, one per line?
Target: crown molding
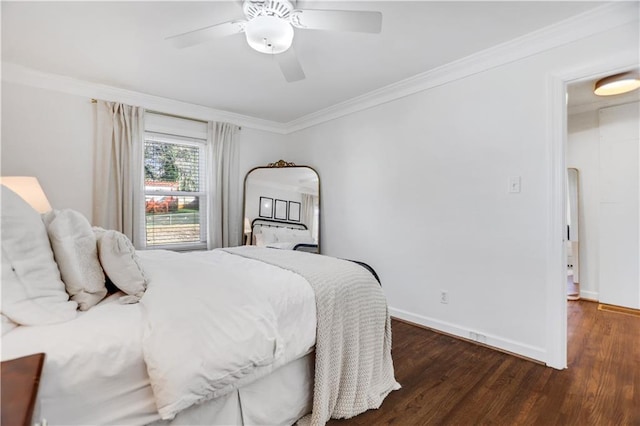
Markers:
<point>603,18</point>
<point>592,22</point>
<point>18,74</point>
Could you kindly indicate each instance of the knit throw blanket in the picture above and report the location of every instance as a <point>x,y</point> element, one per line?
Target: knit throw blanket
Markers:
<point>354,369</point>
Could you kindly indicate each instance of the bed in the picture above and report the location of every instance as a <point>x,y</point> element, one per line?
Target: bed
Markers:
<point>282,235</point>
<point>247,335</point>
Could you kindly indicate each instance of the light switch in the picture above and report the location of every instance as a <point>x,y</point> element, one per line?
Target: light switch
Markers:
<point>515,183</point>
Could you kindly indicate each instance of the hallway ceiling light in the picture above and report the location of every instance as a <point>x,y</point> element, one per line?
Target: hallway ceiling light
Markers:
<point>617,84</point>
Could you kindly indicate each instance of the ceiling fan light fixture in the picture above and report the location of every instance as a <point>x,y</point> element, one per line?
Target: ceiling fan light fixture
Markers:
<point>617,84</point>
<point>269,34</point>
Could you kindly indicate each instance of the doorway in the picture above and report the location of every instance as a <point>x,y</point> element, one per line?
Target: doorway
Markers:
<point>602,191</point>
<point>556,324</point>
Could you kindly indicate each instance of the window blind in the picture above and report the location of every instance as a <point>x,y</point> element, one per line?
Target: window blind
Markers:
<point>175,191</point>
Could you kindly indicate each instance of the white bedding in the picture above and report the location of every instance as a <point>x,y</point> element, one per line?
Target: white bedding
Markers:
<point>83,356</point>
<point>234,320</point>
<point>281,236</point>
<point>94,369</point>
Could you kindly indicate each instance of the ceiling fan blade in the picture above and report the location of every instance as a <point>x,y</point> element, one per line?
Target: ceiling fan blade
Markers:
<point>290,66</point>
<point>339,20</point>
<point>205,34</point>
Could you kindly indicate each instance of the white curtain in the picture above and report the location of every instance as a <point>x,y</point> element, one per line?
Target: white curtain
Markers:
<point>308,214</point>
<point>117,173</point>
<point>224,218</point>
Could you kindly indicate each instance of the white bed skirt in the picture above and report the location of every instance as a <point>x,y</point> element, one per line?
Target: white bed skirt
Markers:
<point>280,398</point>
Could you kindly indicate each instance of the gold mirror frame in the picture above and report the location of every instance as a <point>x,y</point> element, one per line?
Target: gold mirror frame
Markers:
<point>280,164</point>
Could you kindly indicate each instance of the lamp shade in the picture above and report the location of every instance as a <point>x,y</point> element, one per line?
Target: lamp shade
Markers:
<point>617,84</point>
<point>29,189</point>
<point>269,34</point>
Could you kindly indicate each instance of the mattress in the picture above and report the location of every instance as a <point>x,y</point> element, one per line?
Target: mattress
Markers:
<point>94,369</point>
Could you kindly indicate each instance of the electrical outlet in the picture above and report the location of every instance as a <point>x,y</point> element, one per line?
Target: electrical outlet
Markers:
<point>444,297</point>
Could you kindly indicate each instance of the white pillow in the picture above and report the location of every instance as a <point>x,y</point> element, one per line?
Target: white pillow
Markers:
<point>283,234</point>
<point>98,232</point>
<point>290,235</point>
<point>268,235</point>
<point>301,232</point>
<point>76,252</point>
<point>259,240</point>
<point>32,292</point>
<point>301,236</point>
<point>120,263</point>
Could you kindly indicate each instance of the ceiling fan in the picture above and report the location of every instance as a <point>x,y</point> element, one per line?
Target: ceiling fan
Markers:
<point>269,24</point>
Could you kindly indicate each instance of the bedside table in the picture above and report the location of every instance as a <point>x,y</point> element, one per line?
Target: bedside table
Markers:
<point>20,380</point>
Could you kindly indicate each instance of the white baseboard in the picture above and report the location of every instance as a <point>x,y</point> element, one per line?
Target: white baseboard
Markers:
<point>589,295</point>
<point>479,336</point>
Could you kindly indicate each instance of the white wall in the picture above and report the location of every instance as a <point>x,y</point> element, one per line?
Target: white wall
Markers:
<point>418,188</point>
<point>50,135</point>
<point>257,148</point>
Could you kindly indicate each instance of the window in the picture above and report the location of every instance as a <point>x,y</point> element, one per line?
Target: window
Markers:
<point>175,192</point>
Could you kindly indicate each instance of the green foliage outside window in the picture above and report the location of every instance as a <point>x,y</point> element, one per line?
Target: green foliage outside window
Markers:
<point>165,162</point>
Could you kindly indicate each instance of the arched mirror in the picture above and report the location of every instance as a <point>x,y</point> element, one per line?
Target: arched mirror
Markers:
<point>282,207</point>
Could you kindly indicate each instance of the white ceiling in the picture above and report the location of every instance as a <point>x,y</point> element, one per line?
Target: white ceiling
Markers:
<point>122,44</point>
<point>580,97</point>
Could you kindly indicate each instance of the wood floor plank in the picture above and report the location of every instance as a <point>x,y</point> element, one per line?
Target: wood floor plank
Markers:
<point>447,381</point>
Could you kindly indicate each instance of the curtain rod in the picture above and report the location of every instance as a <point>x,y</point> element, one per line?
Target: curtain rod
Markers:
<point>93,101</point>
<point>175,116</point>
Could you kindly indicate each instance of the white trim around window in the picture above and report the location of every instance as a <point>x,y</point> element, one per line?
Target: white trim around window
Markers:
<point>178,215</point>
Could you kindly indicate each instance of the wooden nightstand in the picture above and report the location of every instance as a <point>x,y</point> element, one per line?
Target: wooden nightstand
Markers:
<point>20,380</point>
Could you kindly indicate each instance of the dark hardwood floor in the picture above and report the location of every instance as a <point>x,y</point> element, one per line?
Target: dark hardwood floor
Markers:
<point>446,381</point>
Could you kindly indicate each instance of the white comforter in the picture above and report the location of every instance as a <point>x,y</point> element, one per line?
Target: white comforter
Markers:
<point>217,321</point>
<point>93,372</point>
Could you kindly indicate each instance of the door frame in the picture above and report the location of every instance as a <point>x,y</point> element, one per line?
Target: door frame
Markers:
<point>556,309</point>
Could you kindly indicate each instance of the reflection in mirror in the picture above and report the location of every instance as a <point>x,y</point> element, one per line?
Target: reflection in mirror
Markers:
<point>282,207</point>
<point>573,246</point>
